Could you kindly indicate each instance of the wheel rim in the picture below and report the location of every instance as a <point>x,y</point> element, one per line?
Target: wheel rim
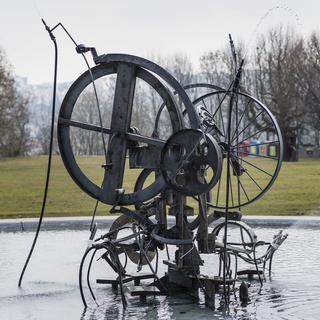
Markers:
<point>65,122</point>
<point>251,121</point>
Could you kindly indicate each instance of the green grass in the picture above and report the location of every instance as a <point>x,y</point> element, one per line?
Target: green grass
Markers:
<point>295,192</point>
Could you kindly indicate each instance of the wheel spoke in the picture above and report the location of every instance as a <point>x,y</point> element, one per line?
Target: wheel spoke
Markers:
<point>242,187</point>
<point>251,164</point>
<point>83,125</point>
<point>130,136</point>
<point>247,173</point>
<point>205,104</point>
<point>254,145</point>
<point>144,139</point>
<point>231,191</point>
<point>221,117</point>
<point>261,156</point>
<point>246,126</point>
<point>255,182</point>
<point>220,104</point>
<point>244,191</point>
<point>238,122</point>
<point>252,135</point>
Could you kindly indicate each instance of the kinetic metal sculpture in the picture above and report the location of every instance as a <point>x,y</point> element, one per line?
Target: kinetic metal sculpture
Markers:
<point>222,151</point>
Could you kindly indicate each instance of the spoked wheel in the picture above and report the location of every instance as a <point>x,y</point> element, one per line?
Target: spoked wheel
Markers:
<point>256,146</point>
<point>124,226</point>
<point>240,235</point>
<point>241,242</point>
<point>117,125</point>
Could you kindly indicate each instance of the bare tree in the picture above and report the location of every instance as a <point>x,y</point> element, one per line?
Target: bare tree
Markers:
<point>148,102</point>
<point>13,114</point>
<point>309,80</point>
<point>219,67</point>
<point>181,68</point>
<point>85,142</point>
<point>277,83</point>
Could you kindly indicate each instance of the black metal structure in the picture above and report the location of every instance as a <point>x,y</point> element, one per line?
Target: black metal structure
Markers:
<point>202,155</point>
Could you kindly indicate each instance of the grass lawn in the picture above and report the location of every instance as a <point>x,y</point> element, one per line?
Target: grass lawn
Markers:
<point>295,192</point>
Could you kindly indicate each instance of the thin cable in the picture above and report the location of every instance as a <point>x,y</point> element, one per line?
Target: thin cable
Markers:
<point>88,277</point>
<point>97,103</point>
<point>80,275</point>
<point>94,215</point>
<point>44,201</point>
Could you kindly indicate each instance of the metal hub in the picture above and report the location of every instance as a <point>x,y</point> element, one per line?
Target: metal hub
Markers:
<point>191,162</point>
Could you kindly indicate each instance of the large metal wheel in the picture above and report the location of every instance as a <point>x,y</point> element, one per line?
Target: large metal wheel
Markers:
<point>117,135</point>
<point>256,146</point>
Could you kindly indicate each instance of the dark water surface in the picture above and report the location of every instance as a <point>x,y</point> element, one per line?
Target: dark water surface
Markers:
<point>50,289</point>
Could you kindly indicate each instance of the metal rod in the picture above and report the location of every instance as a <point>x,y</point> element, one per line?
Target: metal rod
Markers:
<point>234,91</point>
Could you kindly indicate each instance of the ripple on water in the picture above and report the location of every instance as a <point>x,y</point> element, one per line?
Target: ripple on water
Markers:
<point>51,283</point>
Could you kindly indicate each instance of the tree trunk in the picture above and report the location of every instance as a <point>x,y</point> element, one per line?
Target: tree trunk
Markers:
<point>290,144</point>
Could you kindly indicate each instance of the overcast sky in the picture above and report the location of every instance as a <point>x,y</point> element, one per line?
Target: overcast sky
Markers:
<point>139,27</point>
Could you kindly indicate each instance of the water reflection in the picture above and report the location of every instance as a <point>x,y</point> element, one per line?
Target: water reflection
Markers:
<point>51,288</point>
<point>163,308</point>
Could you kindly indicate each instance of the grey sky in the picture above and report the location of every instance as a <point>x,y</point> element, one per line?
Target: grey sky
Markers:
<point>138,27</point>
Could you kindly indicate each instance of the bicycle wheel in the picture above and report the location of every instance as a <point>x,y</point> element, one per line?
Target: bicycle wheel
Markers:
<point>256,146</point>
